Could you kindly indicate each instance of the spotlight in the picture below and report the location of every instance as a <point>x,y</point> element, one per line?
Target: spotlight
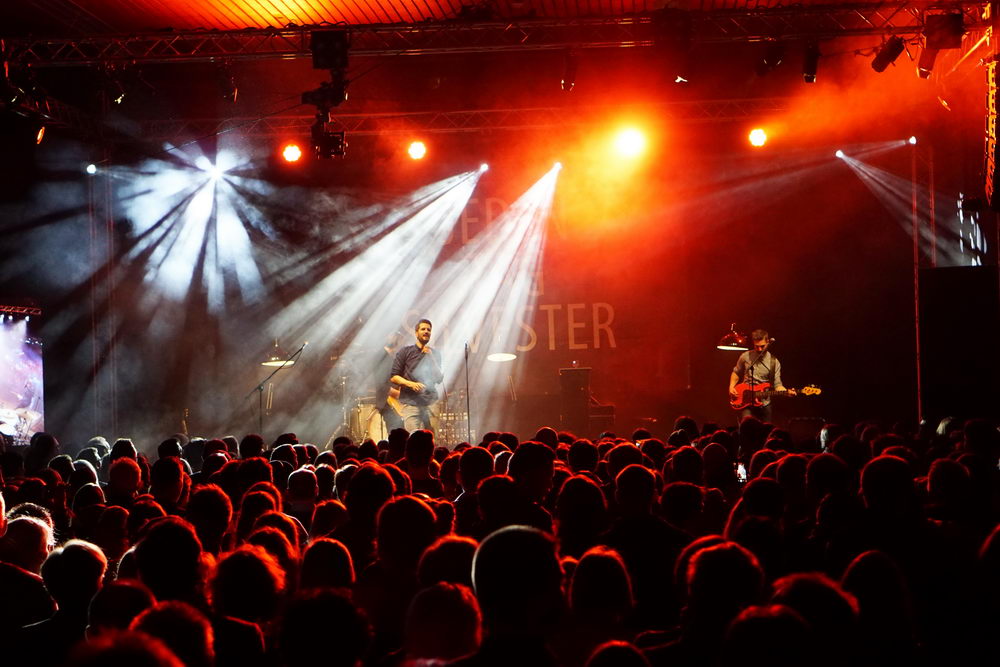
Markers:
<point>774,53</point>
<point>912,141</point>
<point>40,134</point>
<point>484,167</point>
<point>925,65</point>
<point>810,62</point>
<point>417,150</point>
<point>228,89</point>
<point>91,168</point>
<point>291,152</point>
<point>557,166</point>
<point>326,143</point>
<point>888,53</point>
<point>943,31</point>
<point>839,153</point>
<point>757,137</point>
<point>630,142</point>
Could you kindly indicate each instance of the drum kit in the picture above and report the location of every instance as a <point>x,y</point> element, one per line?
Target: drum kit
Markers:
<point>363,420</point>
<point>16,424</point>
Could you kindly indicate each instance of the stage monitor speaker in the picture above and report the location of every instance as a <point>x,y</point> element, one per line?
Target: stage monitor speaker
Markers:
<point>959,331</point>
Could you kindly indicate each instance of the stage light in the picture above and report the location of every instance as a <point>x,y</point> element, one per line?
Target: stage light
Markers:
<point>734,340</point>
<point>630,142</point>
<point>291,152</point>
<point>810,62</point>
<point>417,150</point>
<point>839,153</point>
<point>944,31</point>
<point>40,135</point>
<point>757,137</point>
<point>888,53</point>
<point>484,167</point>
<point>912,141</point>
<point>774,53</point>
<point>326,143</point>
<point>557,166</point>
<point>925,64</point>
<point>91,168</point>
<point>276,358</point>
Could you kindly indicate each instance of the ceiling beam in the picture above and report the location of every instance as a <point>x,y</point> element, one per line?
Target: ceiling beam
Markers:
<point>454,122</point>
<point>815,22</point>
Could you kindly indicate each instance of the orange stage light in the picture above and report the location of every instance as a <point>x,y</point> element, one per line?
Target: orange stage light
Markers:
<point>291,152</point>
<point>757,137</point>
<point>417,150</point>
<point>630,142</point>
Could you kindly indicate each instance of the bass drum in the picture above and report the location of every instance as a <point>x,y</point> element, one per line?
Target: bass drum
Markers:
<point>367,422</point>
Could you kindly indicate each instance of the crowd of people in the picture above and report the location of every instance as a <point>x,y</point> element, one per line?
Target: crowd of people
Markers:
<point>867,545</point>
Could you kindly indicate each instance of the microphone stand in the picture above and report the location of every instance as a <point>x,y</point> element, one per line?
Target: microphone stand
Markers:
<point>260,387</point>
<point>468,397</point>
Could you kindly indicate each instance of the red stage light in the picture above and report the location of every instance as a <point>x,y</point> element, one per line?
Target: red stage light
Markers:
<point>417,150</point>
<point>291,152</point>
<point>757,137</point>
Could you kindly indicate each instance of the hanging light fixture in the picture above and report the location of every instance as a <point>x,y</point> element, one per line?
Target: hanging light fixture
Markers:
<point>733,340</point>
<point>277,357</point>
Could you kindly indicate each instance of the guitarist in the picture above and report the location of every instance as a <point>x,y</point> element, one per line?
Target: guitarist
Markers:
<point>758,366</point>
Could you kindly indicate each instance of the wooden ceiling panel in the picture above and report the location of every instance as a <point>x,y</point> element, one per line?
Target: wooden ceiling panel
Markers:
<point>92,17</point>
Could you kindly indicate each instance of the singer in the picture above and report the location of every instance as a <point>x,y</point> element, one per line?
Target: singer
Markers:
<point>416,370</point>
<point>758,368</point>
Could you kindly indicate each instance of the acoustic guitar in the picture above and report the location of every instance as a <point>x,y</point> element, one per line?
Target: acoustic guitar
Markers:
<point>762,391</point>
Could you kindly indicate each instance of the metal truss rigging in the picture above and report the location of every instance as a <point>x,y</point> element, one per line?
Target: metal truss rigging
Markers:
<point>450,122</point>
<point>814,22</point>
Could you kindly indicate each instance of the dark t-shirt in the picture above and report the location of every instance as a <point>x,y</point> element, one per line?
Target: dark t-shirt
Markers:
<point>412,364</point>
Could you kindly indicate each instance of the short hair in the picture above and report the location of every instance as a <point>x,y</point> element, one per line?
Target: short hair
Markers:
<point>73,572</point>
<point>443,622</point>
<point>169,447</point>
<point>420,447</point>
<point>405,528</point>
<point>601,583</point>
<point>530,457</point>
<point>183,628</point>
<point>124,649</point>
<point>248,583</point>
<point>117,604</point>
<point>422,321</point>
<point>448,559</point>
<point>474,465</point>
<point>617,654</point>
<point>530,597</point>
<point>327,613</point>
<point>759,334</point>
<point>583,455</point>
<point>124,472</point>
<point>168,558</point>
<point>326,562</point>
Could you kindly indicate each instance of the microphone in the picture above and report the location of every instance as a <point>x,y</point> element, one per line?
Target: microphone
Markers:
<point>772,340</point>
